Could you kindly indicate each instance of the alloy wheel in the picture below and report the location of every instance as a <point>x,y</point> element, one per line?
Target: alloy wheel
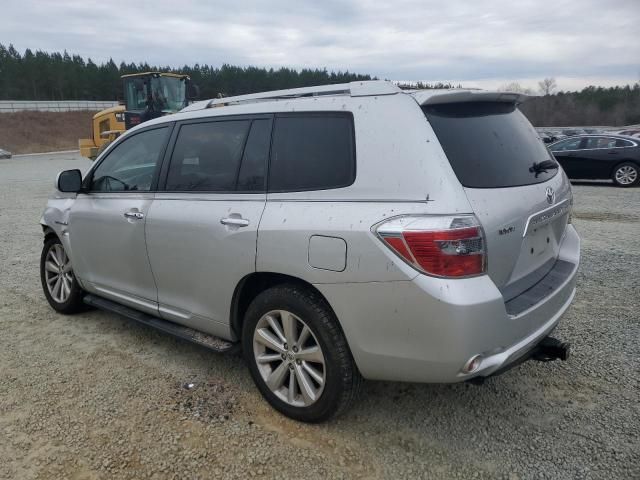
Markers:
<point>626,175</point>
<point>58,273</point>
<point>289,358</point>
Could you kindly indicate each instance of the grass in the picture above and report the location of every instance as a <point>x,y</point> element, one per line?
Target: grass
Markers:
<point>34,132</point>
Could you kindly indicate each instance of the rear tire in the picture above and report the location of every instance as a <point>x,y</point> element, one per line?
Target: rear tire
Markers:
<point>304,367</point>
<point>626,174</point>
<point>58,280</point>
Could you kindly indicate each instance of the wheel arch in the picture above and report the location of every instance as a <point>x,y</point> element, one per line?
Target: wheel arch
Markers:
<point>48,232</point>
<point>255,283</point>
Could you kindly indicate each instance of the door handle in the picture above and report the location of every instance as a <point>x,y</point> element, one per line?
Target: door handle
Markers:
<point>612,153</point>
<point>235,221</point>
<point>134,215</point>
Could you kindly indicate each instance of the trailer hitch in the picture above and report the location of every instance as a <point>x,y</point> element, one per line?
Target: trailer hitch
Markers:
<point>550,349</point>
<point>547,350</point>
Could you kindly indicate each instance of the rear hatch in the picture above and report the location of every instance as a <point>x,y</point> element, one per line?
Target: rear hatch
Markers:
<point>522,206</point>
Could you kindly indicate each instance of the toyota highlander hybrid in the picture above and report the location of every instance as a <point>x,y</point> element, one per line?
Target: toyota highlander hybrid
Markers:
<point>331,233</point>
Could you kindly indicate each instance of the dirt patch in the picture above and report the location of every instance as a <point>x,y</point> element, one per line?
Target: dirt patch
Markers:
<point>195,400</point>
<point>33,132</point>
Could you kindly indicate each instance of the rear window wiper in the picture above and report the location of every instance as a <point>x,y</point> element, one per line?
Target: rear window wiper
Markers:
<point>542,167</point>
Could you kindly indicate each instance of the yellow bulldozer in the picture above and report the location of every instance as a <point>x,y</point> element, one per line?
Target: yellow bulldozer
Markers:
<point>146,95</point>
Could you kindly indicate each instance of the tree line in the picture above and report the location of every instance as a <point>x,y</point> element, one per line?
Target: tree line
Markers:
<point>42,75</point>
<point>613,106</point>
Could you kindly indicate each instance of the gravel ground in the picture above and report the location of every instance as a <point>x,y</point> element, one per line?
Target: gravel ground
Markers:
<point>95,396</point>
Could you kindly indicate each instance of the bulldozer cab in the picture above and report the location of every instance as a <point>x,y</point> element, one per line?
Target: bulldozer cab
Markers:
<point>146,95</point>
<point>153,94</point>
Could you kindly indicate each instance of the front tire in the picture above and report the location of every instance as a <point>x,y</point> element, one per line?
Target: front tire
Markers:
<point>626,175</point>
<point>58,281</point>
<point>297,354</point>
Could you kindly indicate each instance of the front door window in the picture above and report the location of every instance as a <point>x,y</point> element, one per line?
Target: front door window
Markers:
<point>131,164</point>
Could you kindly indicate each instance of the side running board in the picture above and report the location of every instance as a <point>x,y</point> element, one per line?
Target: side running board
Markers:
<point>211,342</point>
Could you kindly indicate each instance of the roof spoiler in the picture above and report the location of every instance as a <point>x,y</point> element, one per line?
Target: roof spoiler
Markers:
<point>425,97</point>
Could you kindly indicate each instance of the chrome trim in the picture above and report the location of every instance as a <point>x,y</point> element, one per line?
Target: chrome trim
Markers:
<point>546,215</point>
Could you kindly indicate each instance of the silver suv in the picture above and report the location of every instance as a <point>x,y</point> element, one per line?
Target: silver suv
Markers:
<point>332,233</point>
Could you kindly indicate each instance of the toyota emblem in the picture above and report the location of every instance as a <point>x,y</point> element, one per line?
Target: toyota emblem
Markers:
<point>551,195</point>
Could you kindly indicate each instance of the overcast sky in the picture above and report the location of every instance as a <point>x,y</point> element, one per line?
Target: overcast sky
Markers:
<point>476,43</point>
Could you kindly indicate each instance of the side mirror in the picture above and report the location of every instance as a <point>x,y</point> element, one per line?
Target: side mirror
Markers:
<point>69,181</point>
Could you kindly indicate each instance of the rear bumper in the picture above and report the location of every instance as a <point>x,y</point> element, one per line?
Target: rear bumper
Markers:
<point>426,329</point>
<point>501,361</point>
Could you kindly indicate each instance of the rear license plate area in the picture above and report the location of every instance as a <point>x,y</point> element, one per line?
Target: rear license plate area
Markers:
<point>539,241</point>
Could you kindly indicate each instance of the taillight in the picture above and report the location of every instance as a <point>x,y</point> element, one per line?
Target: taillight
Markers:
<point>443,246</point>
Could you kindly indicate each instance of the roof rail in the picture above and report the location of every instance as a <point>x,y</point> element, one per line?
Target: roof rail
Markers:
<point>354,89</point>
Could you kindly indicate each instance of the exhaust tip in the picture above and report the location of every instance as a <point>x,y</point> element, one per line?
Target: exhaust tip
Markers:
<point>472,364</point>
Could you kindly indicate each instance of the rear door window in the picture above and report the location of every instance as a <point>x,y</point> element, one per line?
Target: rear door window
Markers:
<point>600,142</point>
<point>312,152</point>
<point>489,144</point>
<point>207,156</point>
<point>255,157</point>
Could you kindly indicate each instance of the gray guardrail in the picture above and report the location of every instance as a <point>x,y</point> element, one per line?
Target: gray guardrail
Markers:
<point>8,106</point>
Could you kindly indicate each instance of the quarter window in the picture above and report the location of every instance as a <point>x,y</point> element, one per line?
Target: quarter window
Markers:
<point>207,156</point>
<point>623,143</point>
<point>312,152</point>
<point>131,164</point>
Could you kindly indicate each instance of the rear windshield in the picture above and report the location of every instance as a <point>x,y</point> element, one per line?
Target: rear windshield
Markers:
<point>489,144</point>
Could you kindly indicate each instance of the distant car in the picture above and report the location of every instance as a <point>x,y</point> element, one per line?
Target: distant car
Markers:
<point>600,157</point>
<point>4,154</point>
<point>630,132</point>
<point>572,132</point>
<point>546,138</point>
<point>553,136</point>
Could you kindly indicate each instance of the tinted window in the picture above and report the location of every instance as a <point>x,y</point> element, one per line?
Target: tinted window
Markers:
<point>600,142</point>
<point>206,156</point>
<point>312,152</point>
<point>489,145</point>
<point>254,159</point>
<point>623,143</point>
<point>131,164</point>
<point>569,144</point>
